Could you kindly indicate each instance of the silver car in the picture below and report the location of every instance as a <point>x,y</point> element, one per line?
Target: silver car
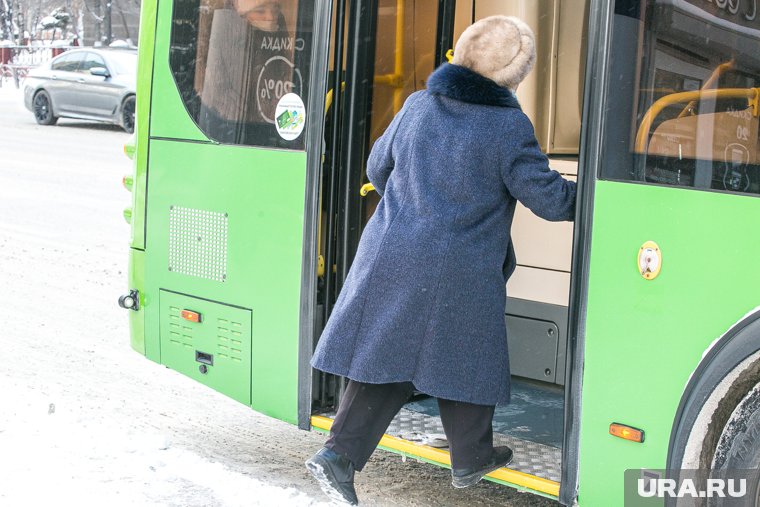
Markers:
<point>91,84</point>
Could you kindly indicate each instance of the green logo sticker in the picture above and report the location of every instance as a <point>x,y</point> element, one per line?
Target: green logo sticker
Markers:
<point>291,116</point>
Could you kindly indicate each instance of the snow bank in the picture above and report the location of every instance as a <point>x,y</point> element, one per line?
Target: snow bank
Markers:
<point>52,456</point>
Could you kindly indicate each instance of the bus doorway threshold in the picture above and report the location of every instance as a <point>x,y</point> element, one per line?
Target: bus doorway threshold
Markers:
<point>531,425</point>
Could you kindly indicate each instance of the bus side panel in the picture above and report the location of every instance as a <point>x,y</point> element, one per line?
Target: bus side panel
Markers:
<point>169,117</point>
<point>644,338</point>
<point>256,197</point>
<point>144,88</point>
<point>136,267</point>
<point>136,278</point>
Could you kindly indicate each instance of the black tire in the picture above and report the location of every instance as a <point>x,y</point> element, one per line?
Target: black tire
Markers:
<point>128,114</point>
<point>42,107</point>
<point>739,448</point>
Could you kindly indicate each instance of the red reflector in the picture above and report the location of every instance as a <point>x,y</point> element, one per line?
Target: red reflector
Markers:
<point>191,315</point>
<point>627,432</point>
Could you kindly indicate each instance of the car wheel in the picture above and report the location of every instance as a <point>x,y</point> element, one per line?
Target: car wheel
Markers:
<point>128,114</point>
<point>43,109</point>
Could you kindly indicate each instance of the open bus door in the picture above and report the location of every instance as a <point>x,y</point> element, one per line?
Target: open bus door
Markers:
<point>387,50</point>
<point>384,50</point>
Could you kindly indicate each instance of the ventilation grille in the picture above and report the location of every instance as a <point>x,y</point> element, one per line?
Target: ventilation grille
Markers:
<point>179,333</point>
<point>230,336</point>
<point>198,243</point>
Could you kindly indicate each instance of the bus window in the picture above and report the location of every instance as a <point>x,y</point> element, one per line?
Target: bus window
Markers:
<point>691,116</point>
<point>233,60</point>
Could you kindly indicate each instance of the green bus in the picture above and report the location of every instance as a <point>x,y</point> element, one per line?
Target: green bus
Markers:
<point>634,333</point>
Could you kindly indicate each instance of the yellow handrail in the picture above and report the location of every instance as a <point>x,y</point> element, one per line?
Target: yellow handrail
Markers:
<point>398,69</point>
<point>720,69</point>
<point>329,96</point>
<point>395,80</point>
<point>642,136</point>
<point>366,189</point>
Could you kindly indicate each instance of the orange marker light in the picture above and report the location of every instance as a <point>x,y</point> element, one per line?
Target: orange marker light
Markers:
<point>627,432</point>
<point>191,315</point>
<point>127,181</point>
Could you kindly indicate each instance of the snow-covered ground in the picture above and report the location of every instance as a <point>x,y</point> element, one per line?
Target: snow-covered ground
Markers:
<point>55,455</point>
<point>86,421</point>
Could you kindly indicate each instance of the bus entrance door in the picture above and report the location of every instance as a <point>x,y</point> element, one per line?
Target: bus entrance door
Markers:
<point>385,51</point>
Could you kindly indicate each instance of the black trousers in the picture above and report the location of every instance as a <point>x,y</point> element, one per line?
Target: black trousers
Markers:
<point>367,410</point>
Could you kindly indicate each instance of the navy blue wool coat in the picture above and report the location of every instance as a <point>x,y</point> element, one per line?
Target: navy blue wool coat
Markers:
<point>424,299</point>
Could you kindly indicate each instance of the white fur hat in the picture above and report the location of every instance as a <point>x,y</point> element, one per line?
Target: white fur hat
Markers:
<point>501,48</point>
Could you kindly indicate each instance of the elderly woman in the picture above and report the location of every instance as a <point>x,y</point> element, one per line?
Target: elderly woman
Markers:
<point>423,305</point>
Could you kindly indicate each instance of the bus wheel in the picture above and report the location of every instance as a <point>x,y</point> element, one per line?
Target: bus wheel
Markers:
<point>739,448</point>
<point>43,109</point>
<point>128,114</point>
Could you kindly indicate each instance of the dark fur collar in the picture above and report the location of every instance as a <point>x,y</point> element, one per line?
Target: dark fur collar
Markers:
<point>460,83</point>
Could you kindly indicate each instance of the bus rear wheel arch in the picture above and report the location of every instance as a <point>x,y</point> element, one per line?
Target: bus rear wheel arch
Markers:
<point>711,405</point>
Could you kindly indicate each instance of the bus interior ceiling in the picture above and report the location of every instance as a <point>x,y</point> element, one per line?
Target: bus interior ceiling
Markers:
<point>407,40</point>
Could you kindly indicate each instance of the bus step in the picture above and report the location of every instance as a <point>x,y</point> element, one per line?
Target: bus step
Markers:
<point>530,457</point>
<point>536,467</point>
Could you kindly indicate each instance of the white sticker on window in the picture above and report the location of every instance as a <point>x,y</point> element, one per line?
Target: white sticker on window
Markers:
<point>290,116</point>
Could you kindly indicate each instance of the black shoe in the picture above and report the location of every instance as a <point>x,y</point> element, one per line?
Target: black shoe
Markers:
<point>464,477</point>
<point>335,474</point>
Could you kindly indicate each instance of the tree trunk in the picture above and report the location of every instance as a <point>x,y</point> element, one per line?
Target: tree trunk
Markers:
<point>124,22</point>
<point>6,20</point>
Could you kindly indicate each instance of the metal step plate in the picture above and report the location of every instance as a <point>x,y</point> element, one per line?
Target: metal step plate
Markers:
<point>530,457</point>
